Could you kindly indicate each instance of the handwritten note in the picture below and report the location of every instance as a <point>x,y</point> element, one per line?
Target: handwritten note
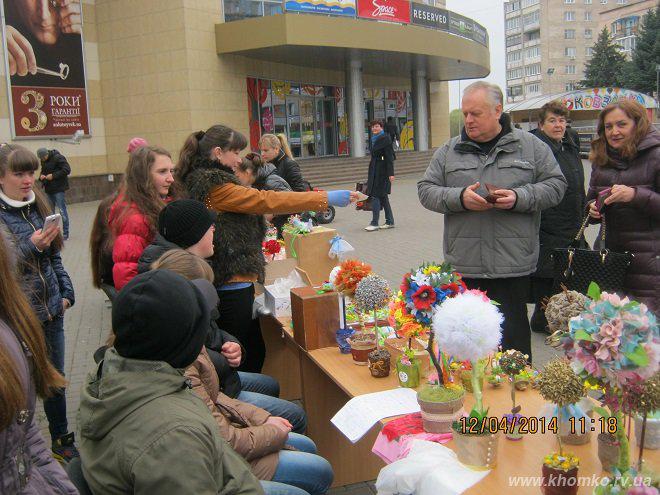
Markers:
<point>360,413</point>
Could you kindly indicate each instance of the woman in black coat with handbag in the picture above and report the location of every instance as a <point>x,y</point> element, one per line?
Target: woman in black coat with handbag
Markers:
<point>561,223</point>
<point>381,176</point>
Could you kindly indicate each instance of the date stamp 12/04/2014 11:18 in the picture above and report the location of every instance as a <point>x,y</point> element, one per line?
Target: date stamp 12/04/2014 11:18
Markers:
<point>532,425</point>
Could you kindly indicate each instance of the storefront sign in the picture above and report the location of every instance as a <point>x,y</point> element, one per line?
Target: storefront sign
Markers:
<point>480,34</point>
<point>461,25</point>
<point>426,15</point>
<point>52,102</point>
<point>333,7</point>
<point>385,10</point>
<point>599,98</point>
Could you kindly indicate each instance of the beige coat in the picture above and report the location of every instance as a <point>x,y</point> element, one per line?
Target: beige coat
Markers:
<point>241,424</point>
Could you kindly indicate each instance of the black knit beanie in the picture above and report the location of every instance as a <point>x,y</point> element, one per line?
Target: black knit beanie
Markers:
<point>185,221</point>
<point>161,316</point>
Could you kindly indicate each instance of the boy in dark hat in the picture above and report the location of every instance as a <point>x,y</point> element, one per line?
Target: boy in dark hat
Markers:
<point>142,429</point>
<point>182,224</point>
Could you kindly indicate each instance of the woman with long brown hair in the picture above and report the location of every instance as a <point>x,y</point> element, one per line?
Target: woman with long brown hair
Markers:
<point>26,465</point>
<point>148,184</point>
<point>23,209</point>
<point>625,173</point>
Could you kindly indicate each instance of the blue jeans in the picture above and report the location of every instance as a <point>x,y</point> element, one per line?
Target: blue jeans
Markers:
<point>259,383</point>
<point>302,468</point>
<point>277,407</point>
<point>57,200</point>
<point>55,406</point>
<point>376,203</point>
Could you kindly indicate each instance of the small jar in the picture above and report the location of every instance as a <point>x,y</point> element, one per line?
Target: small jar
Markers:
<point>408,371</point>
<point>379,363</point>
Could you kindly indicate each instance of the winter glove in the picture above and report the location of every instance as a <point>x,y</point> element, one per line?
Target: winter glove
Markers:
<point>339,198</point>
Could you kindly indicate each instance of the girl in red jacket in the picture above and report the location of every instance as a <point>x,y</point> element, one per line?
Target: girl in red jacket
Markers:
<point>147,186</point>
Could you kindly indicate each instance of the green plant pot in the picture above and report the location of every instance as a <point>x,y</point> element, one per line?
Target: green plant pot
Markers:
<point>466,380</point>
<point>408,374</point>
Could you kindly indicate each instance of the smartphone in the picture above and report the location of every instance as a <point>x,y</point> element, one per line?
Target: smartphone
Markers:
<point>602,196</point>
<point>492,197</point>
<point>55,219</point>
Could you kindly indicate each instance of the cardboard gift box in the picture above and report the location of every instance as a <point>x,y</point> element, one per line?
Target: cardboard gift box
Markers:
<point>274,270</point>
<point>311,251</point>
<point>277,296</point>
<point>315,317</point>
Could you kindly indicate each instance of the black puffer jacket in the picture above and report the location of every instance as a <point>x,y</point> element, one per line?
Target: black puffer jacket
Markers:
<point>45,280</point>
<point>289,170</point>
<point>238,236</point>
<point>153,251</point>
<point>57,165</point>
<point>561,223</point>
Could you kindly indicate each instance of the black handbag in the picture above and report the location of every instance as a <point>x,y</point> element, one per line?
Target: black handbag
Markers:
<point>365,205</point>
<point>576,268</point>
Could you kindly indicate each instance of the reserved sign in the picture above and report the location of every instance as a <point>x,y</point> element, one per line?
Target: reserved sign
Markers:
<point>429,16</point>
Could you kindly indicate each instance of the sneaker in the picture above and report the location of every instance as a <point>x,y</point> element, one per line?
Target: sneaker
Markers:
<point>371,228</point>
<point>64,448</point>
<point>387,226</point>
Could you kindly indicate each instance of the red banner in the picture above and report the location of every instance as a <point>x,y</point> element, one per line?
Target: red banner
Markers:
<point>44,48</point>
<point>385,10</point>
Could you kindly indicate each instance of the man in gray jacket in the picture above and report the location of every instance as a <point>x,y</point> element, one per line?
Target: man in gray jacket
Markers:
<point>491,183</point>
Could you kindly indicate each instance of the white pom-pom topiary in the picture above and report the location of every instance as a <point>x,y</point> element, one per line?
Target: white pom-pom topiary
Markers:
<point>468,327</point>
<point>333,275</point>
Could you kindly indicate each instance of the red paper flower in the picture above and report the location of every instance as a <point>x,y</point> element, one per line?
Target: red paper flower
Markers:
<point>272,247</point>
<point>424,297</point>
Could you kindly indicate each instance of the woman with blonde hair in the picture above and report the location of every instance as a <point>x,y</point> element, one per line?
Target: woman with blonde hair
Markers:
<point>275,149</point>
<point>625,176</point>
<point>26,465</point>
<point>23,209</point>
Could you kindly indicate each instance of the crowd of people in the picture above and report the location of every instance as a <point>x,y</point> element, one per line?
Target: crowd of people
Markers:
<point>177,402</point>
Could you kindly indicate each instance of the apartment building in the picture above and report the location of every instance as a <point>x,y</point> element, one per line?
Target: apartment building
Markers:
<point>623,22</point>
<point>548,43</point>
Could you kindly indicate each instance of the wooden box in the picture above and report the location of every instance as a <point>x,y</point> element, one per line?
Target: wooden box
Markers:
<point>311,250</point>
<point>315,318</point>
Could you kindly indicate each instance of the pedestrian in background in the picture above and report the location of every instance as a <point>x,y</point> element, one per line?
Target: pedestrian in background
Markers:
<point>23,209</point>
<point>560,223</point>
<point>275,149</point>
<point>54,175</point>
<point>625,159</point>
<point>381,177</point>
<point>491,233</point>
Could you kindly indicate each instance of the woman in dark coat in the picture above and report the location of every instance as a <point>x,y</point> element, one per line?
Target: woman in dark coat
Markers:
<point>626,158</point>
<point>561,223</point>
<point>381,176</point>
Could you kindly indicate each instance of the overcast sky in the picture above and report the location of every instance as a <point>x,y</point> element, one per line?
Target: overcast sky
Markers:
<point>490,14</point>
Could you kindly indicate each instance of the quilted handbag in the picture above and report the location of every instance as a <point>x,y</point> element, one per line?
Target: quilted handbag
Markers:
<point>576,268</point>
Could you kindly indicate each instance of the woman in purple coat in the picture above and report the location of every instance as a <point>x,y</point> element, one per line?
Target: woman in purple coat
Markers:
<point>26,464</point>
<point>626,166</point>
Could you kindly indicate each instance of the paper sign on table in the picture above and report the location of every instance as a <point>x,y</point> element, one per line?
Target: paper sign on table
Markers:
<point>362,412</point>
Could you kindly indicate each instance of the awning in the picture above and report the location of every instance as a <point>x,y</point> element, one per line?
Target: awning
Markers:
<point>583,99</point>
<point>325,41</point>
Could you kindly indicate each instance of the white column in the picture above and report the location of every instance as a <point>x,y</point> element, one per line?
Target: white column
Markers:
<point>420,108</point>
<point>355,105</point>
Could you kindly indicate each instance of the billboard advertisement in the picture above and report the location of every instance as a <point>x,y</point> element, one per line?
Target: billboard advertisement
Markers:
<point>429,16</point>
<point>385,10</point>
<point>332,7</point>
<point>461,25</point>
<point>45,67</point>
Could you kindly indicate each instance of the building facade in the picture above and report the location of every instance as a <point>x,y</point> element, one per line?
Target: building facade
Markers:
<point>316,71</point>
<point>548,43</point>
<point>623,21</point>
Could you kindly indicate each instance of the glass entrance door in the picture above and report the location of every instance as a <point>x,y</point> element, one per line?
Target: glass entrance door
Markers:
<point>326,127</point>
<point>307,127</point>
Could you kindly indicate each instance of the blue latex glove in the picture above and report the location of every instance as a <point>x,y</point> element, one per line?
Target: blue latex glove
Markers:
<point>339,198</point>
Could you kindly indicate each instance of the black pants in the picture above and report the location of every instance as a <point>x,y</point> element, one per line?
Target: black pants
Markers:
<point>512,295</point>
<point>235,309</point>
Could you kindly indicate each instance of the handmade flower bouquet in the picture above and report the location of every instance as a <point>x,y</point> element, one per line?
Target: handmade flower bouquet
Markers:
<point>408,349</point>
<point>614,344</point>
<point>513,363</point>
<point>271,248</point>
<point>345,279</point>
<point>469,328</point>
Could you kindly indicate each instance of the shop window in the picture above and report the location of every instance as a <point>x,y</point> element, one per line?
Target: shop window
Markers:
<point>236,10</point>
